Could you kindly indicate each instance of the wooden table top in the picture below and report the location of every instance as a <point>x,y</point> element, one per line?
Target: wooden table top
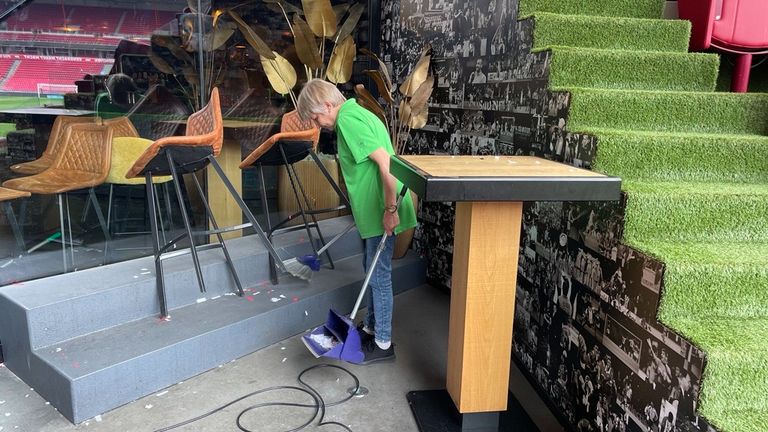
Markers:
<point>501,178</point>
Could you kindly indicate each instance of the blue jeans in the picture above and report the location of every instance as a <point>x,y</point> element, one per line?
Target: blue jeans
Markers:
<point>379,293</point>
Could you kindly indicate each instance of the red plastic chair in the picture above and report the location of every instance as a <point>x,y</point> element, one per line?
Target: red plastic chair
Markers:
<point>731,26</point>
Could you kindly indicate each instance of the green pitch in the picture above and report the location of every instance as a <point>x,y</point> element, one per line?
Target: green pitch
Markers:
<point>11,102</point>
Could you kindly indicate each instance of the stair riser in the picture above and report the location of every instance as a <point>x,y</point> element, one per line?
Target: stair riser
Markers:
<point>623,70</point>
<point>720,292</point>
<point>115,302</point>
<point>683,158</point>
<point>688,218</point>
<point>611,33</point>
<point>106,389</point>
<point>668,111</point>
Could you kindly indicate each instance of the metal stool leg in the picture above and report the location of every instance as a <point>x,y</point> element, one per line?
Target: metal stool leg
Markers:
<point>159,281</point>
<point>17,233</point>
<point>185,217</point>
<point>69,229</point>
<point>291,173</point>
<point>227,257</point>
<point>248,214</point>
<point>159,213</point>
<point>265,208</point>
<point>60,200</point>
<point>103,223</point>
<point>168,207</point>
<point>314,218</point>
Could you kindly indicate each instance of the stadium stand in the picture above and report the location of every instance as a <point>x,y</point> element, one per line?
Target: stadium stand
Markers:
<point>144,22</point>
<point>50,70</point>
<point>60,39</point>
<point>88,19</point>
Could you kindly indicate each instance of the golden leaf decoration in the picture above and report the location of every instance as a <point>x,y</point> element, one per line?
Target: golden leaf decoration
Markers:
<point>382,68</point>
<point>366,100</point>
<point>287,7</point>
<point>422,94</point>
<point>222,33</point>
<point>159,63</point>
<point>404,112</point>
<point>380,85</point>
<point>418,117</point>
<point>355,12</point>
<point>170,43</point>
<point>340,10</point>
<point>320,17</point>
<point>417,76</point>
<point>253,39</point>
<point>340,64</point>
<point>306,44</point>
<point>280,73</point>
<point>190,74</point>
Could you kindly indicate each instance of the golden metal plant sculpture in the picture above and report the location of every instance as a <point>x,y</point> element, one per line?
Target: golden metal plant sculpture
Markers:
<point>413,109</point>
<point>322,25</point>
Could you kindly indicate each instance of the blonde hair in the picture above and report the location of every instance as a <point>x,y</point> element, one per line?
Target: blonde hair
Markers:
<point>314,95</point>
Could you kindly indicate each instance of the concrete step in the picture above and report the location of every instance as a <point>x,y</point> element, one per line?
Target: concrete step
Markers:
<point>67,306</point>
<point>91,374</point>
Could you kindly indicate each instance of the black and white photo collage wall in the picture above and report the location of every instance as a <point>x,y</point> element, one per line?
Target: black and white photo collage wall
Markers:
<point>585,319</point>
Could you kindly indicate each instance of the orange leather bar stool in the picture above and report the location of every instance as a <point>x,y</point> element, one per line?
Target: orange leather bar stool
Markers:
<point>297,140</point>
<point>55,140</point>
<point>178,155</point>
<point>81,162</point>
<point>6,196</point>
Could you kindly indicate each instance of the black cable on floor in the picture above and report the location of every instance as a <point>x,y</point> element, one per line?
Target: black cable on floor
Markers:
<point>319,406</point>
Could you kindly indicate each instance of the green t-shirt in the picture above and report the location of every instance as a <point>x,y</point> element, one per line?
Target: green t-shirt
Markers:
<point>359,134</point>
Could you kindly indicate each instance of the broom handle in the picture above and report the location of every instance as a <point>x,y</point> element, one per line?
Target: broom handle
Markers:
<point>333,240</point>
<point>375,261</point>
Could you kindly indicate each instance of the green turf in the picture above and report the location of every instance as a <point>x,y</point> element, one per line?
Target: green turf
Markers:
<point>691,212</point>
<point>631,70</point>
<point>736,375</point>
<point>666,156</point>
<point>621,8</point>
<point>610,33</point>
<point>695,168</point>
<point>730,280</point>
<point>723,113</point>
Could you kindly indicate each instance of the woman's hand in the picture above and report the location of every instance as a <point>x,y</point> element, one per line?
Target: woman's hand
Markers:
<point>390,221</point>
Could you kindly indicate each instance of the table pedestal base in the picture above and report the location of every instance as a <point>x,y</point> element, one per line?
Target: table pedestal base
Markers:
<point>434,411</point>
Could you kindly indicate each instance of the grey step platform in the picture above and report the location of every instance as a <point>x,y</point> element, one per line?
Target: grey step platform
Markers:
<point>95,371</point>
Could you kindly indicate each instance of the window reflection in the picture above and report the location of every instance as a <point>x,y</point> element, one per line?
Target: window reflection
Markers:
<point>66,62</point>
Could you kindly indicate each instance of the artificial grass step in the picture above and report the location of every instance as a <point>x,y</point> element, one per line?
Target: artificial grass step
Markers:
<point>668,156</point>
<point>712,280</point>
<point>742,420</point>
<point>610,33</point>
<point>632,70</point>
<point>696,212</point>
<point>736,372</point>
<point>625,8</point>
<point>700,112</point>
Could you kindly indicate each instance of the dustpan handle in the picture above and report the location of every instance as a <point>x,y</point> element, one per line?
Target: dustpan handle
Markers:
<point>375,261</point>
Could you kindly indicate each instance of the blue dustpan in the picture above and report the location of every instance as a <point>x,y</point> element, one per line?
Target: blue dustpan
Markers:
<point>338,338</point>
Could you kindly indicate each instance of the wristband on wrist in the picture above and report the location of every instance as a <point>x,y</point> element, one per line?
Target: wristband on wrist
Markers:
<point>391,208</point>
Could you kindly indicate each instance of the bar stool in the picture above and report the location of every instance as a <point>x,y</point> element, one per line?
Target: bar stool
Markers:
<point>127,146</point>
<point>297,140</point>
<point>82,162</point>
<point>55,141</point>
<point>188,154</point>
<point>6,196</point>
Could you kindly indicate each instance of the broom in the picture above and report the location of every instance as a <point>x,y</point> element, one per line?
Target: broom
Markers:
<point>304,265</point>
